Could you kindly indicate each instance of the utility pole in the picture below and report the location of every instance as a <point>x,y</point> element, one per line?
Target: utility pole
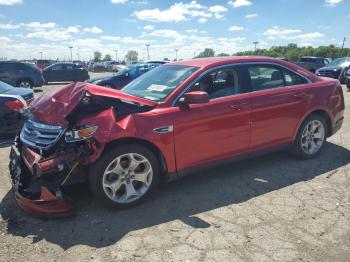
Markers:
<point>147,46</point>
<point>255,44</point>
<point>78,54</point>
<point>41,55</point>
<point>116,54</point>
<point>342,47</point>
<point>176,50</point>
<point>71,55</point>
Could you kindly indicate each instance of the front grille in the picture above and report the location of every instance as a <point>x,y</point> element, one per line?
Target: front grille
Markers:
<point>39,135</point>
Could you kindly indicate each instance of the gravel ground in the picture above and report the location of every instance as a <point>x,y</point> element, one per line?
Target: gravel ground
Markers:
<point>271,208</point>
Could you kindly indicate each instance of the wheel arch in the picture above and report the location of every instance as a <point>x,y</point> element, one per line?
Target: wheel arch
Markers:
<point>321,112</point>
<point>139,141</point>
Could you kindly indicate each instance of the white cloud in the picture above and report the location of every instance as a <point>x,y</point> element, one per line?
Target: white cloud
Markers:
<point>110,38</point>
<point>333,2</point>
<point>119,1</point>
<point>10,2</point>
<point>148,27</point>
<point>202,20</point>
<point>308,37</point>
<point>57,34</point>
<point>4,40</point>
<point>251,15</point>
<point>235,28</point>
<point>93,30</point>
<point>280,32</point>
<point>167,33</point>
<point>239,3</point>
<point>181,12</point>
<point>9,26</point>
<point>38,25</point>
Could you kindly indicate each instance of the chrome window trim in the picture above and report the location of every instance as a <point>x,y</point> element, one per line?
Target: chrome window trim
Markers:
<point>235,64</point>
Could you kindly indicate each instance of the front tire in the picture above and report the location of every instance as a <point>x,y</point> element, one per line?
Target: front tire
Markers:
<point>25,83</point>
<point>311,137</point>
<point>125,176</point>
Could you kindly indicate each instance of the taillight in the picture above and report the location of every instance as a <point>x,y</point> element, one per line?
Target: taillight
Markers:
<point>16,105</point>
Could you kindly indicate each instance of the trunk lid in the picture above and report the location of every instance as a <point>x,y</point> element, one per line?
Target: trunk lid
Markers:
<point>54,106</point>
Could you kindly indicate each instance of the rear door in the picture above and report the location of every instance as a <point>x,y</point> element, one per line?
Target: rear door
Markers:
<point>278,102</point>
<point>54,73</point>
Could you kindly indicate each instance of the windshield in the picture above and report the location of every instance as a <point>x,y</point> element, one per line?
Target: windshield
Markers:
<point>159,82</point>
<point>345,61</point>
<point>4,87</point>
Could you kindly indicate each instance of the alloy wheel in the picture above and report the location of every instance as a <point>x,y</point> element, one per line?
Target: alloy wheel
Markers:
<point>25,84</point>
<point>127,178</point>
<point>313,137</point>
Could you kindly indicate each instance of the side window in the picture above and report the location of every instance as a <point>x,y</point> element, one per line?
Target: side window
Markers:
<point>57,67</point>
<point>69,67</point>
<point>265,77</point>
<point>219,83</point>
<point>292,79</point>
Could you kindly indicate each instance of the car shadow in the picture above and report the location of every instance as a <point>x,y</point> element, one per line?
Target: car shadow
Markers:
<point>6,140</point>
<point>37,90</point>
<point>58,83</point>
<point>182,200</point>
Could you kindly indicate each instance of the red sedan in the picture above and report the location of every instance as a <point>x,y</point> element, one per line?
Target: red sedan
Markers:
<point>172,120</point>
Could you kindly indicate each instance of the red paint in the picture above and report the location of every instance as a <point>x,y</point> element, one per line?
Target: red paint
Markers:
<point>203,133</point>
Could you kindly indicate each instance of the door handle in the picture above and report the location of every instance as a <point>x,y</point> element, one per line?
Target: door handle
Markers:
<point>237,105</point>
<point>299,95</point>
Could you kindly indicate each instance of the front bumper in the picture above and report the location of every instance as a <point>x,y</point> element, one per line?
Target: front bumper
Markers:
<point>32,194</point>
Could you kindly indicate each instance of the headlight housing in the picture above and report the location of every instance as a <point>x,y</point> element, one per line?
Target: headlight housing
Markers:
<point>80,133</point>
<point>348,72</point>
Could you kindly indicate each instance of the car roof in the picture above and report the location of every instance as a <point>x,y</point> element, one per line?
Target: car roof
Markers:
<point>213,61</point>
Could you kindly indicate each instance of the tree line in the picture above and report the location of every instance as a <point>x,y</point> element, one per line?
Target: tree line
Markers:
<point>291,52</point>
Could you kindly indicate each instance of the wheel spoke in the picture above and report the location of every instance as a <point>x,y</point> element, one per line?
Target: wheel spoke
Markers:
<point>142,177</point>
<point>134,163</point>
<point>130,191</point>
<point>114,186</point>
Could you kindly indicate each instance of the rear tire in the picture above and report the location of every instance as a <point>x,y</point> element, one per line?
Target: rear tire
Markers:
<point>311,137</point>
<point>124,176</point>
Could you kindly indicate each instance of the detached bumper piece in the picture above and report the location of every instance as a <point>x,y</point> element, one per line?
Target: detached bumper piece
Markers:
<point>33,192</point>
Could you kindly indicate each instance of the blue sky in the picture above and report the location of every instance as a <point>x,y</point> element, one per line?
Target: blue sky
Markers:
<point>28,27</point>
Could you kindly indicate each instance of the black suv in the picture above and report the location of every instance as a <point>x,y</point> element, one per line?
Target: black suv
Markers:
<point>312,63</point>
<point>21,74</point>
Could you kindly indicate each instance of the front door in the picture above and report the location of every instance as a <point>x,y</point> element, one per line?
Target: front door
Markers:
<point>220,129</point>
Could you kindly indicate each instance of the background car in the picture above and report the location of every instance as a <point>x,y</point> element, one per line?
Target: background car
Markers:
<point>10,118</point>
<point>124,76</point>
<point>42,64</point>
<point>97,67</point>
<point>21,74</point>
<point>347,77</point>
<point>312,63</point>
<point>335,69</point>
<point>62,72</point>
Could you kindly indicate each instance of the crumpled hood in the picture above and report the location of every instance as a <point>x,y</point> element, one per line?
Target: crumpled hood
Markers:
<point>54,106</point>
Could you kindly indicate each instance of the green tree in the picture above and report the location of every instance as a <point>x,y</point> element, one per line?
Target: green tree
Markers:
<point>131,56</point>
<point>97,56</point>
<point>107,58</point>
<point>208,52</point>
<point>223,54</point>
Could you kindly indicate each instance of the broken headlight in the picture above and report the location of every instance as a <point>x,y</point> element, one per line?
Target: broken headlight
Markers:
<point>80,133</point>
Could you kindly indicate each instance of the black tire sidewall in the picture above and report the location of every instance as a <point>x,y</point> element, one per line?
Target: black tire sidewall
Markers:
<point>98,168</point>
<point>297,148</point>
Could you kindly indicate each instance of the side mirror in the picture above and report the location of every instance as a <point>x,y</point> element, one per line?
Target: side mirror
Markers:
<point>195,97</point>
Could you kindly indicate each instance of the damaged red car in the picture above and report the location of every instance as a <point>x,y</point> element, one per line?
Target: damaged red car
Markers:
<point>175,119</point>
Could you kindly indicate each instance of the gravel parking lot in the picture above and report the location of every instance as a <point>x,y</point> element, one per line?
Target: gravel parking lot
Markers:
<point>270,208</point>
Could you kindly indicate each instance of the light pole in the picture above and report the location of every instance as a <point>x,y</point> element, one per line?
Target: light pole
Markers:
<point>147,46</point>
<point>255,44</point>
<point>71,55</point>
<point>176,50</point>
<point>116,55</point>
<point>41,55</point>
